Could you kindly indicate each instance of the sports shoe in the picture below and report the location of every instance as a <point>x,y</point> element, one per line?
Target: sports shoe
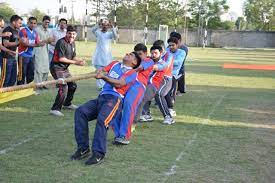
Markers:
<point>146,118</point>
<point>173,112</point>
<point>168,120</point>
<point>80,154</point>
<point>122,141</point>
<point>56,113</point>
<point>95,159</point>
<point>71,107</point>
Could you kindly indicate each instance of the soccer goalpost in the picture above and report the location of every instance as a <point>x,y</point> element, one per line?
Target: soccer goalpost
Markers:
<point>163,33</point>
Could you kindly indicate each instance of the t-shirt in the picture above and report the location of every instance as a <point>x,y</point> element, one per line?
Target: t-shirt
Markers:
<point>13,38</point>
<point>143,76</point>
<point>32,38</point>
<point>63,48</point>
<point>117,70</point>
<point>179,57</point>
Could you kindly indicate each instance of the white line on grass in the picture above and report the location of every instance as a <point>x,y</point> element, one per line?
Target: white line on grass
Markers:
<point>172,170</point>
<point>4,151</point>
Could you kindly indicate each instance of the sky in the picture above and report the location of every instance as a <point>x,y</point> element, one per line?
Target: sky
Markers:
<point>51,6</point>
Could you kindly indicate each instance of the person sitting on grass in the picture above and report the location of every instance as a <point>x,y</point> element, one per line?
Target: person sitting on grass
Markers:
<point>106,108</point>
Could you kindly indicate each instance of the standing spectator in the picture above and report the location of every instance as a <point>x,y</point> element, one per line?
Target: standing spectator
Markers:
<point>57,34</point>
<point>28,39</point>
<point>64,55</point>
<point>8,62</point>
<point>102,55</point>
<point>41,62</point>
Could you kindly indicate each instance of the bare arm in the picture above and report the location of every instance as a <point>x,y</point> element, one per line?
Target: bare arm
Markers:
<point>68,61</point>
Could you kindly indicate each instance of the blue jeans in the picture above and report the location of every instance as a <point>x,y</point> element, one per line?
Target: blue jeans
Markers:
<point>8,71</point>
<point>106,109</point>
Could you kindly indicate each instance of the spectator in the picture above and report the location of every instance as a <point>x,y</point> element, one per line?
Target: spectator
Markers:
<point>10,43</point>
<point>28,39</point>
<point>103,56</point>
<point>41,63</point>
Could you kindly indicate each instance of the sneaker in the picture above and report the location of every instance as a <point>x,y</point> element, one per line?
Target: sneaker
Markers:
<point>143,118</point>
<point>122,141</point>
<point>173,112</point>
<point>56,113</point>
<point>95,159</point>
<point>168,120</point>
<point>146,118</point>
<point>71,107</point>
<point>80,154</point>
<point>45,88</point>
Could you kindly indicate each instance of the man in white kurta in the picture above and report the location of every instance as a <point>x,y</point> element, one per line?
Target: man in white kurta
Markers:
<point>57,34</point>
<point>103,55</point>
<point>41,63</point>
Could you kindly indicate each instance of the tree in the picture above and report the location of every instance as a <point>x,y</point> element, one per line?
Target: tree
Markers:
<point>6,11</point>
<point>37,14</point>
<point>259,13</point>
<point>207,11</point>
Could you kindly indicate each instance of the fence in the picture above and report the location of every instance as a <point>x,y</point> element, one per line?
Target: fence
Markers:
<point>215,38</point>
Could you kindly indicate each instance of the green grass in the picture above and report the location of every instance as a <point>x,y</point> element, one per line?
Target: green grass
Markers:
<point>224,129</point>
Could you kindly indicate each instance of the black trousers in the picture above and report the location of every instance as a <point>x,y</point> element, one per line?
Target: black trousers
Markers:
<point>66,91</point>
<point>171,96</point>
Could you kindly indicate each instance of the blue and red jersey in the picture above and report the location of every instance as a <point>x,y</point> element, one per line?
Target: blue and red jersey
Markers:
<point>165,68</point>
<point>144,75</point>
<point>32,37</point>
<point>117,70</point>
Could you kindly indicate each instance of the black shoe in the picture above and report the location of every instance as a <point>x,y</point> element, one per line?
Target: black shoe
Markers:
<point>80,154</point>
<point>122,141</point>
<point>45,88</point>
<point>95,159</point>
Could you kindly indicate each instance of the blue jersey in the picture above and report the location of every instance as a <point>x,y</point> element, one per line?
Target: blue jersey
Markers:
<point>117,70</point>
<point>31,37</point>
<point>179,57</point>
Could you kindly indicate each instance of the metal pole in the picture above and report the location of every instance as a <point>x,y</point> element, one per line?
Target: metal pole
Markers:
<point>146,24</point>
<point>115,18</point>
<point>86,22</point>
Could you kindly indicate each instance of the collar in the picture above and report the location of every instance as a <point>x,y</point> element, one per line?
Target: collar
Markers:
<point>67,41</point>
<point>58,28</point>
<point>125,67</point>
<point>29,29</point>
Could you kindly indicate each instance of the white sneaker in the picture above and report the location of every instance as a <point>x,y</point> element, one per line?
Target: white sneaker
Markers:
<point>173,112</point>
<point>37,93</point>
<point>146,118</point>
<point>168,120</point>
<point>72,107</point>
<point>56,113</point>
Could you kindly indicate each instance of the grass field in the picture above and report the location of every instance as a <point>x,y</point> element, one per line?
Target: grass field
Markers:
<point>224,131</point>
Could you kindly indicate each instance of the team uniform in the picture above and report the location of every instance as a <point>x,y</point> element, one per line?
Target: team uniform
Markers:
<point>102,55</point>
<point>106,109</point>
<point>56,34</point>
<point>133,98</point>
<point>179,56</point>
<point>26,56</point>
<point>59,70</point>
<point>181,80</point>
<point>159,86</point>
<point>8,63</point>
